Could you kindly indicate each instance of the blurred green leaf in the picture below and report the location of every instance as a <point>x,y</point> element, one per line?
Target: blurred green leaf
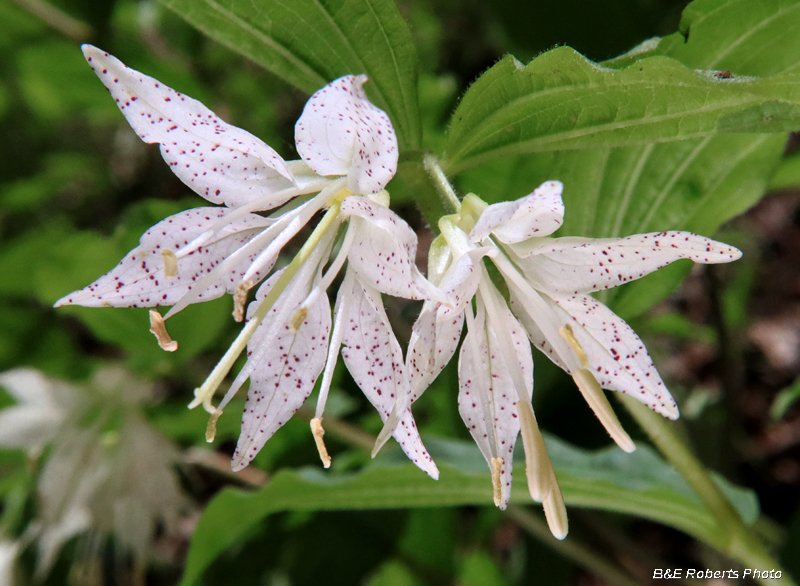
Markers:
<point>77,174</point>
<point>785,399</point>
<point>788,174</point>
<point>393,573</point>
<point>57,83</point>
<point>560,100</point>
<point>640,484</point>
<point>429,539</point>
<point>478,569</point>
<point>676,324</point>
<point>18,25</point>
<point>309,43</point>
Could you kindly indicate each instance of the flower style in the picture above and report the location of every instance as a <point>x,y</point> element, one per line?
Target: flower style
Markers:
<point>549,282</point>
<point>349,154</point>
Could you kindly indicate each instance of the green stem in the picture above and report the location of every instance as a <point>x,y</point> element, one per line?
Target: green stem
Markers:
<point>570,548</point>
<point>413,183</point>
<point>738,540</point>
<point>59,20</point>
<point>443,187</point>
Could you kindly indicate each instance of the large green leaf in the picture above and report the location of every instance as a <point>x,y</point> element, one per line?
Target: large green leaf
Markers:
<point>740,36</point>
<point>560,100</point>
<point>640,484</point>
<point>311,42</point>
<point>693,185</point>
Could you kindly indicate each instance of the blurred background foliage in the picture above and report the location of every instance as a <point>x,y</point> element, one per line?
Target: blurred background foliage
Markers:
<point>77,189</point>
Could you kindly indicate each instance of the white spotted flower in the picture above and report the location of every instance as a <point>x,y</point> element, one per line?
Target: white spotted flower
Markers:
<point>349,154</point>
<point>549,282</point>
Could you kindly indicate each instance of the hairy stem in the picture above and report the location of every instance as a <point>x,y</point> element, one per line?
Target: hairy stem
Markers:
<point>443,187</point>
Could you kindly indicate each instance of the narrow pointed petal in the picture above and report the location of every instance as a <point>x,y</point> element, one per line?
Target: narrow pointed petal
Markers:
<point>435,335</point>
<point>284,375</point>
<point>42,404</point>
<point>616,356</point>
<point>373,356</point>
<point>30,386</point>
<point>539,214</point>
<point>139,279</point>
<point>220,162</point>
<point>433,343</point>
<point>341,133</point>
<point>383,250</point>
<point>580,265</point>
<point>487,400</point>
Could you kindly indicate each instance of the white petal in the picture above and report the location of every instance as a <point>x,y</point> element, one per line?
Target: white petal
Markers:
<point>580,265</point>
<point>433,343</point>
<point>139,280</point>
<point>28,427</point>
<point>617,356</point>
<point>341,133</point>
<point>384,249</point>
<point>539,214</point>
<point>288,366</point>
<point>487,400</point>
<point>535,335</point>
<point>28,386</point>
<point>373,356</point>
<point>435,335</point>
<point>218,161</point>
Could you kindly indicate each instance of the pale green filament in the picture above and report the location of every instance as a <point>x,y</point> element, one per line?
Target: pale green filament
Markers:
<point>205,393</point>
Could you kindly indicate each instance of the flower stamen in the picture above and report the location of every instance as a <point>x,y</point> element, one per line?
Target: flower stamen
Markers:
<point>497,486</point>
<point>569,335</point>
<point>211,428</point>
<point>205,392</point>
<point>318,432</point>
<point>594,396</point>
<point>170,263</point>
<point>159,330</point>
<point>240,299</point>
<point>537,462</point>
<point>298,318</point>
<point>555,512</point>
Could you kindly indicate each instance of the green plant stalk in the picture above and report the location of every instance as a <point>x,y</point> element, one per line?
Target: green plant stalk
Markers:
<point>570,548</point>
<point>450,200</point>
<point>738,542</point>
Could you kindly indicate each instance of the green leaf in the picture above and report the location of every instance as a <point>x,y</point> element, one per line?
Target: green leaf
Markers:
<point>740,36</point>
<point>560,100</point>
<point>640,484</point>
<point>693,185</point>
<point>393,573</point>
<point>788,174</point>
<point>309,43</point>
<point>785,399</point>
<point>478,569</point>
